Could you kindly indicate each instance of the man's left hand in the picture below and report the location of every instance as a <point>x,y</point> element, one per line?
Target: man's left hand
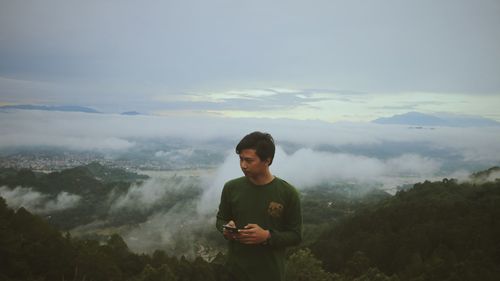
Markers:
<point>253,234</point>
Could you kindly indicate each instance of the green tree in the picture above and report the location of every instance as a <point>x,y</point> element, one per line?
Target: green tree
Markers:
<point>303,266</point>
<point>163,273</point>
<point>374,274</point>
<point>202,271</point>
<point>357,265</point>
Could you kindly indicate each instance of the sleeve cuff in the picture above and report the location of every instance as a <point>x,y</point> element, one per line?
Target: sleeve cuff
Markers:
<point>269,238</point>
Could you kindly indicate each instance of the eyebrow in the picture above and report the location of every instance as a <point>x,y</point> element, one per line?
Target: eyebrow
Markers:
<point>247,158</point>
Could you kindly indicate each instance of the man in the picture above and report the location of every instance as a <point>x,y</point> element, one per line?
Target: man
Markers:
<point>259,214</point>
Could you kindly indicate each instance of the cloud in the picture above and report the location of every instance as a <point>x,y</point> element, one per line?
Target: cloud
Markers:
<point>493,177</point>
<point>175,230</point>
<point>173,223</point>
<point>109,132</point>
<point>309,153</point>
<point>412,165</point>
<point>70,142</point>
<point>181,205</point>
<point>37,202</point>
<point>307,168</point>
<point>156,191</point>
<point>176,154</point>
<point>252,100</point>
<point>172,47</point>
<point>212,185</point>
<point>64,200</point>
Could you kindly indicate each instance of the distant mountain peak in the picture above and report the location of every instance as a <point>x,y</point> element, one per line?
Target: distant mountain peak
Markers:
<point>130,113</point>
<point>65,108</point>
<point>411,118</point>
<point>414,118</point>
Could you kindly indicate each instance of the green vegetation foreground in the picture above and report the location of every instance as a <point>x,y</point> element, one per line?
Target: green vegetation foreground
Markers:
<point>434,231</point>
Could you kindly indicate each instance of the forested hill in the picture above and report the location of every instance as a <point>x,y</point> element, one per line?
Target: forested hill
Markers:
<point>442,230</point>
<point>79,180</point>
<point>31,249</point>
<point>85,188</point>
<point>434,231</point>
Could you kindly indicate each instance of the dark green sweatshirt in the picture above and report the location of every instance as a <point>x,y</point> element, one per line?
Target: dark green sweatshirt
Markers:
<point>274,207</point>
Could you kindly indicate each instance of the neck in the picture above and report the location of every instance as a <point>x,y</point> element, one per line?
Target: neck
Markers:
<point>262,179</point>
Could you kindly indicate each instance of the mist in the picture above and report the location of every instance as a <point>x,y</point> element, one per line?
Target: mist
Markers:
<point>38,202</point>
<point>169,200</point>
<point>118,133</point>
<point>308,168</point>
<point>177,229</point>
<point>180,206</point>
<point>153,192</point>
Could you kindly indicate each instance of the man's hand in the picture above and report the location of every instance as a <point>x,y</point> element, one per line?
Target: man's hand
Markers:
<point>230,235</point>
<point>253,234</point>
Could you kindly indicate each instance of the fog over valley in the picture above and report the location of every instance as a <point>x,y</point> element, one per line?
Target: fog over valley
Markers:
<point>176,204</point>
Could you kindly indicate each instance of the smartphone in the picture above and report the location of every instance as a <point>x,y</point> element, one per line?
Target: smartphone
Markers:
<point>231,229</point>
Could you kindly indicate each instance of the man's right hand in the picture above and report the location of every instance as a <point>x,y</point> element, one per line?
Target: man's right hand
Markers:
<point>230,235</point>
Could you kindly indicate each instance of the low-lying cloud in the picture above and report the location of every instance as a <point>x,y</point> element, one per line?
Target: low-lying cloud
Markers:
<point>175,155</point>
<point>176,228</point>
<point>308,168</point>
<point>180,207</point>
<point>37,202</point>
<point>309,153</point>
<point>83,131</point>
<point>153,192</point>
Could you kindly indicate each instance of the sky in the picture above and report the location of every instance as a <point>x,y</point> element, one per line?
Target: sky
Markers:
<point>324,60</point>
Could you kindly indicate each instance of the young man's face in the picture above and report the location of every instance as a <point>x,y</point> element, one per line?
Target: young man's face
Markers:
<point>250,163</point>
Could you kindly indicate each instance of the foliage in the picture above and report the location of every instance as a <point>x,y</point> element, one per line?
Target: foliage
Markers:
<point>434,231</point>
<point>441,230</point>
<point>492,174</point>
<point>303,266</point>
<point>26,242</point>
<point>31,249</point>
<point>93,183</point>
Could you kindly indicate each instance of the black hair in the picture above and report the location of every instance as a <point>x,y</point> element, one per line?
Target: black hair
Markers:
<point>263,143</point>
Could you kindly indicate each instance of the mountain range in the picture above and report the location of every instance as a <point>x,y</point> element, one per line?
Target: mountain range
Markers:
<point>66,108</point>
<point>410,118</point>
<point>446,120</point>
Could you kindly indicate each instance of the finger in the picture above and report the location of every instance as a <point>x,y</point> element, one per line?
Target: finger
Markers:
<point>251,225</point>
<point>249,241</point>
<point>245,240</point>
<point>246,236</point>
<point>246,231</point>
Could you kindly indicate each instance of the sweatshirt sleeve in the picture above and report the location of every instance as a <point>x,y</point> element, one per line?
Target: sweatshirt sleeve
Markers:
<point>224,214</point>
<point>292,233</point>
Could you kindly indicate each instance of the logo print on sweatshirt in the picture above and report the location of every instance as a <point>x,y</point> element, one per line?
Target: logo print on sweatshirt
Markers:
<point>275,210</point>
